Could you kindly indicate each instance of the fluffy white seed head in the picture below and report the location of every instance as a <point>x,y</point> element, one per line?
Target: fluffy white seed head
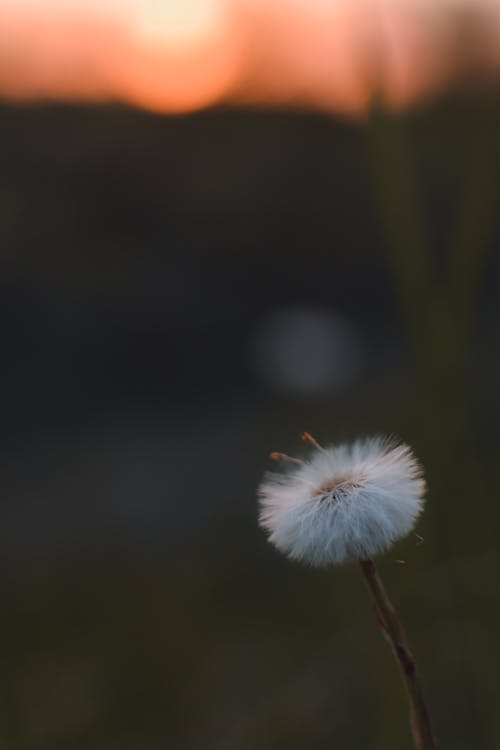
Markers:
<point>346,502</point>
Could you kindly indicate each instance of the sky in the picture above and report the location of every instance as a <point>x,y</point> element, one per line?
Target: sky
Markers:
<point>180,55</point>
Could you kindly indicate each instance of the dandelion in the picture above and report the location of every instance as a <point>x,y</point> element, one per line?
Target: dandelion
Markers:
<point>349,503</point>
<point>346,503</point>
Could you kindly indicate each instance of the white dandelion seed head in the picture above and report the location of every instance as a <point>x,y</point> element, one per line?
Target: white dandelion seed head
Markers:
<point>347,502</point>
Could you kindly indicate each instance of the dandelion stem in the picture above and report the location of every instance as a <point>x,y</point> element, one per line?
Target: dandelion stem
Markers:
<point>393,631</point>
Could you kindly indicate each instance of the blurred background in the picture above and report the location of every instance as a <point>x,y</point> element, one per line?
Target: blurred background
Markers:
<point>222,223</point>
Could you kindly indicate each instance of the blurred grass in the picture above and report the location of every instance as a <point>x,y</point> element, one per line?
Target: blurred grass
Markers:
<point>236,657</point>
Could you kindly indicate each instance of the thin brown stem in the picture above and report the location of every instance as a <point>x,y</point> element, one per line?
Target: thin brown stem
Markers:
<point>393,631</point>
<point>275,456</point>
<point>308,438</point>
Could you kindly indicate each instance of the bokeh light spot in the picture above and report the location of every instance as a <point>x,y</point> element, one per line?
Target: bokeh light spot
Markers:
<point>307,351</point>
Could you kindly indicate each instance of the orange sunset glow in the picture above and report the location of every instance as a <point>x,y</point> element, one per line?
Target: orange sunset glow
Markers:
<point>180,55</point>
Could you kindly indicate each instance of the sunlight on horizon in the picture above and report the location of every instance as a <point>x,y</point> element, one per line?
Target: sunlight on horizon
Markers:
<point>179,24</point>
<point>179,55</point>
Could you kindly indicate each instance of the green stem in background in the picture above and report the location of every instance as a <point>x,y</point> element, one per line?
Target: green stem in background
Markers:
<point>398,207</point>
<point>393,631</point>
<point>475,225</point>
<point>439,315</point>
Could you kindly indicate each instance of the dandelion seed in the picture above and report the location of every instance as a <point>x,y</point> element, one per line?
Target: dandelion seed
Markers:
<point>275,456</point>
<point>347,502</point>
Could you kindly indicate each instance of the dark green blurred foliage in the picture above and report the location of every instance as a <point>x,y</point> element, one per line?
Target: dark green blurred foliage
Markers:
<point>142,607</point>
